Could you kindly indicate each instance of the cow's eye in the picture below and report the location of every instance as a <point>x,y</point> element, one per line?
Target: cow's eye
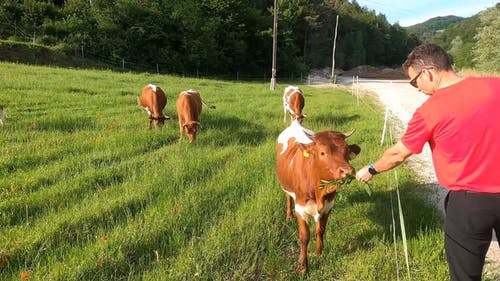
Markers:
<point>322,153</point>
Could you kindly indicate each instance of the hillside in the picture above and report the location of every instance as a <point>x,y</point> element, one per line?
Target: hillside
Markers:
<point>35,54</point>
<point>432,27</point>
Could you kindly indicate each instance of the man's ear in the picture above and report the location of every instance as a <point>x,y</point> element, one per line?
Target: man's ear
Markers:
<point>430,74</point>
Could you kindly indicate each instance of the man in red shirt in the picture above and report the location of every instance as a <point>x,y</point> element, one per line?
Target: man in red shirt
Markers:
<point>461,122</point>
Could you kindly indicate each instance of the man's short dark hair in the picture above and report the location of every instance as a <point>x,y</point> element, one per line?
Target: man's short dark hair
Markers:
<point>427,56</point>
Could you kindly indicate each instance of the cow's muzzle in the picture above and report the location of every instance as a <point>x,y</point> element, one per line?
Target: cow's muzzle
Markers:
<point>344,171</point>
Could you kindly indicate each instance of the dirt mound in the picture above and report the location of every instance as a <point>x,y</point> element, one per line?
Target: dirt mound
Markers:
<point>379,72</point>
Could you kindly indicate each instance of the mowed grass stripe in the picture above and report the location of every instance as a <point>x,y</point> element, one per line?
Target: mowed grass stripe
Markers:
<point>245,243</point>
<point>165,226</point>
<point>102,212</point>
<point>73,155</point>
<point>97,171</point>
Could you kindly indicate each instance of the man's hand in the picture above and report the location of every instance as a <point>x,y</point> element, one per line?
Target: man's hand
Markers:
<point>363,175</point>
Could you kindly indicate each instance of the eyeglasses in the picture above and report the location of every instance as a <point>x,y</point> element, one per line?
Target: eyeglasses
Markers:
<point>413,81</point>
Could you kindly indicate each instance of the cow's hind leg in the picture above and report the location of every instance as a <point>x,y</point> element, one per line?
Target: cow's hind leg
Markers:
<point>289,202</point>
<point>304,236</point>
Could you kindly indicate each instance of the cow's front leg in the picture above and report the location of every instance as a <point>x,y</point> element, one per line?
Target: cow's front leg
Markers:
<point>181,132</point>
<point>304,240</point>
<point>320,231</point>
<point>289,202</point>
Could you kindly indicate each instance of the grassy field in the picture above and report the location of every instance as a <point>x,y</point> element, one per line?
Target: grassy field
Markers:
<point>87,192</point>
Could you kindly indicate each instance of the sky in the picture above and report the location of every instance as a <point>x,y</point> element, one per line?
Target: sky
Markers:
<point>416,11</point>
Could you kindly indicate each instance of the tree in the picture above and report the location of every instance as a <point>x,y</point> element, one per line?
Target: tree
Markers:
<point>486,51</point>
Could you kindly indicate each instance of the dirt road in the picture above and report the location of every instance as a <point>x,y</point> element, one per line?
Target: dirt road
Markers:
<point>401,100</point>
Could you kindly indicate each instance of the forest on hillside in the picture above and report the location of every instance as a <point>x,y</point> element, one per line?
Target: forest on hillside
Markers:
<point>209,36</point>
<point>472,42</point>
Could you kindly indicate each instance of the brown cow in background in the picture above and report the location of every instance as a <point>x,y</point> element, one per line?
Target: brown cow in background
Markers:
<point>293,102</point>
<point>304,159</point>
<point>189,106</point>
<point>154,100</point>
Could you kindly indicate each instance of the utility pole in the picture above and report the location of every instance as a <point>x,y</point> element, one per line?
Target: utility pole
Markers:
<point>333,55</point>
<point>275,27</point>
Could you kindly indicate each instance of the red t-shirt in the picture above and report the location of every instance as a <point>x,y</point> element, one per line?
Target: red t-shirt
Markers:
<point>461,123</point>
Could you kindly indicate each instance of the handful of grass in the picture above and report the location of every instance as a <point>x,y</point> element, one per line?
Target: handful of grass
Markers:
<point>343,181</point>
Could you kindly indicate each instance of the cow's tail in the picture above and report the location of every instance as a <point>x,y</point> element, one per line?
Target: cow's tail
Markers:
<point>209,105</point>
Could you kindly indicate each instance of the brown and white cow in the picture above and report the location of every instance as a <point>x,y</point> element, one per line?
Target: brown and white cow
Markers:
<point>2,117</point>
<point>293,102</point>
<point>154,100</point>
<point>189,106</point>
<point>304,158</point>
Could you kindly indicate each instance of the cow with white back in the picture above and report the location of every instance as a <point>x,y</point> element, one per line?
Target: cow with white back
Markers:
<point>189,106</point>
<point>154,100</point>
<point>304,160</point>
<point>293,103</point>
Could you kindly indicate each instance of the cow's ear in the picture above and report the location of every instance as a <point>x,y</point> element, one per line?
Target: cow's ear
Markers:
<point>354,150</point>
<point>348,134</point>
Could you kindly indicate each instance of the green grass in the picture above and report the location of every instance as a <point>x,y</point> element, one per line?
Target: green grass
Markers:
<point>87,192</point>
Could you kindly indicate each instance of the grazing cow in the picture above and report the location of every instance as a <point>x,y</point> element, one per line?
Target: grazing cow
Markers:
<point>293,102</point>
<point>153,100</point>
<point>304,159</point>
<point>2,118</point>
<point>189,106</point>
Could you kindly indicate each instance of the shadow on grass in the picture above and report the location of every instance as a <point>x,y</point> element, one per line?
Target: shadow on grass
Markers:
<point>334,119</point>
<point>74,90</point>
<point>66,124</point>
<point>418,213</point>
<point>225,130</point>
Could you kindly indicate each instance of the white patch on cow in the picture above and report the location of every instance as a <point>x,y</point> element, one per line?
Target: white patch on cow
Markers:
<point>149,112</point>
<point>295,130</point>
<point>153,87</point>
<point>292,194</point>
<point>286,99</point>
<point>311,209</point>
<point>188,92</point>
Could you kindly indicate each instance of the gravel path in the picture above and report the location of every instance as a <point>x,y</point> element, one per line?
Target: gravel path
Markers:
<point>401,100</point>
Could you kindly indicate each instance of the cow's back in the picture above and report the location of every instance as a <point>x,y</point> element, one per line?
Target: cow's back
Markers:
<point>189,106</point>
<point>294,164</point>
<point>293,102</point>
<point>154,99</point>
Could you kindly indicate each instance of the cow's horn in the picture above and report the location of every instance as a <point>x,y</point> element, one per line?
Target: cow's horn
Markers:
<point>348,134</point>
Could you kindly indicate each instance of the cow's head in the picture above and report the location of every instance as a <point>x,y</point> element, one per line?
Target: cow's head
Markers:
<point>191,128</point>
<point>159,121</point>
<point>331,154</point>
<point>299,117</point>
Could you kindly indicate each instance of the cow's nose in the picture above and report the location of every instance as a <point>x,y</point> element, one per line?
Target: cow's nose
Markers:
<point>346,171</point>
